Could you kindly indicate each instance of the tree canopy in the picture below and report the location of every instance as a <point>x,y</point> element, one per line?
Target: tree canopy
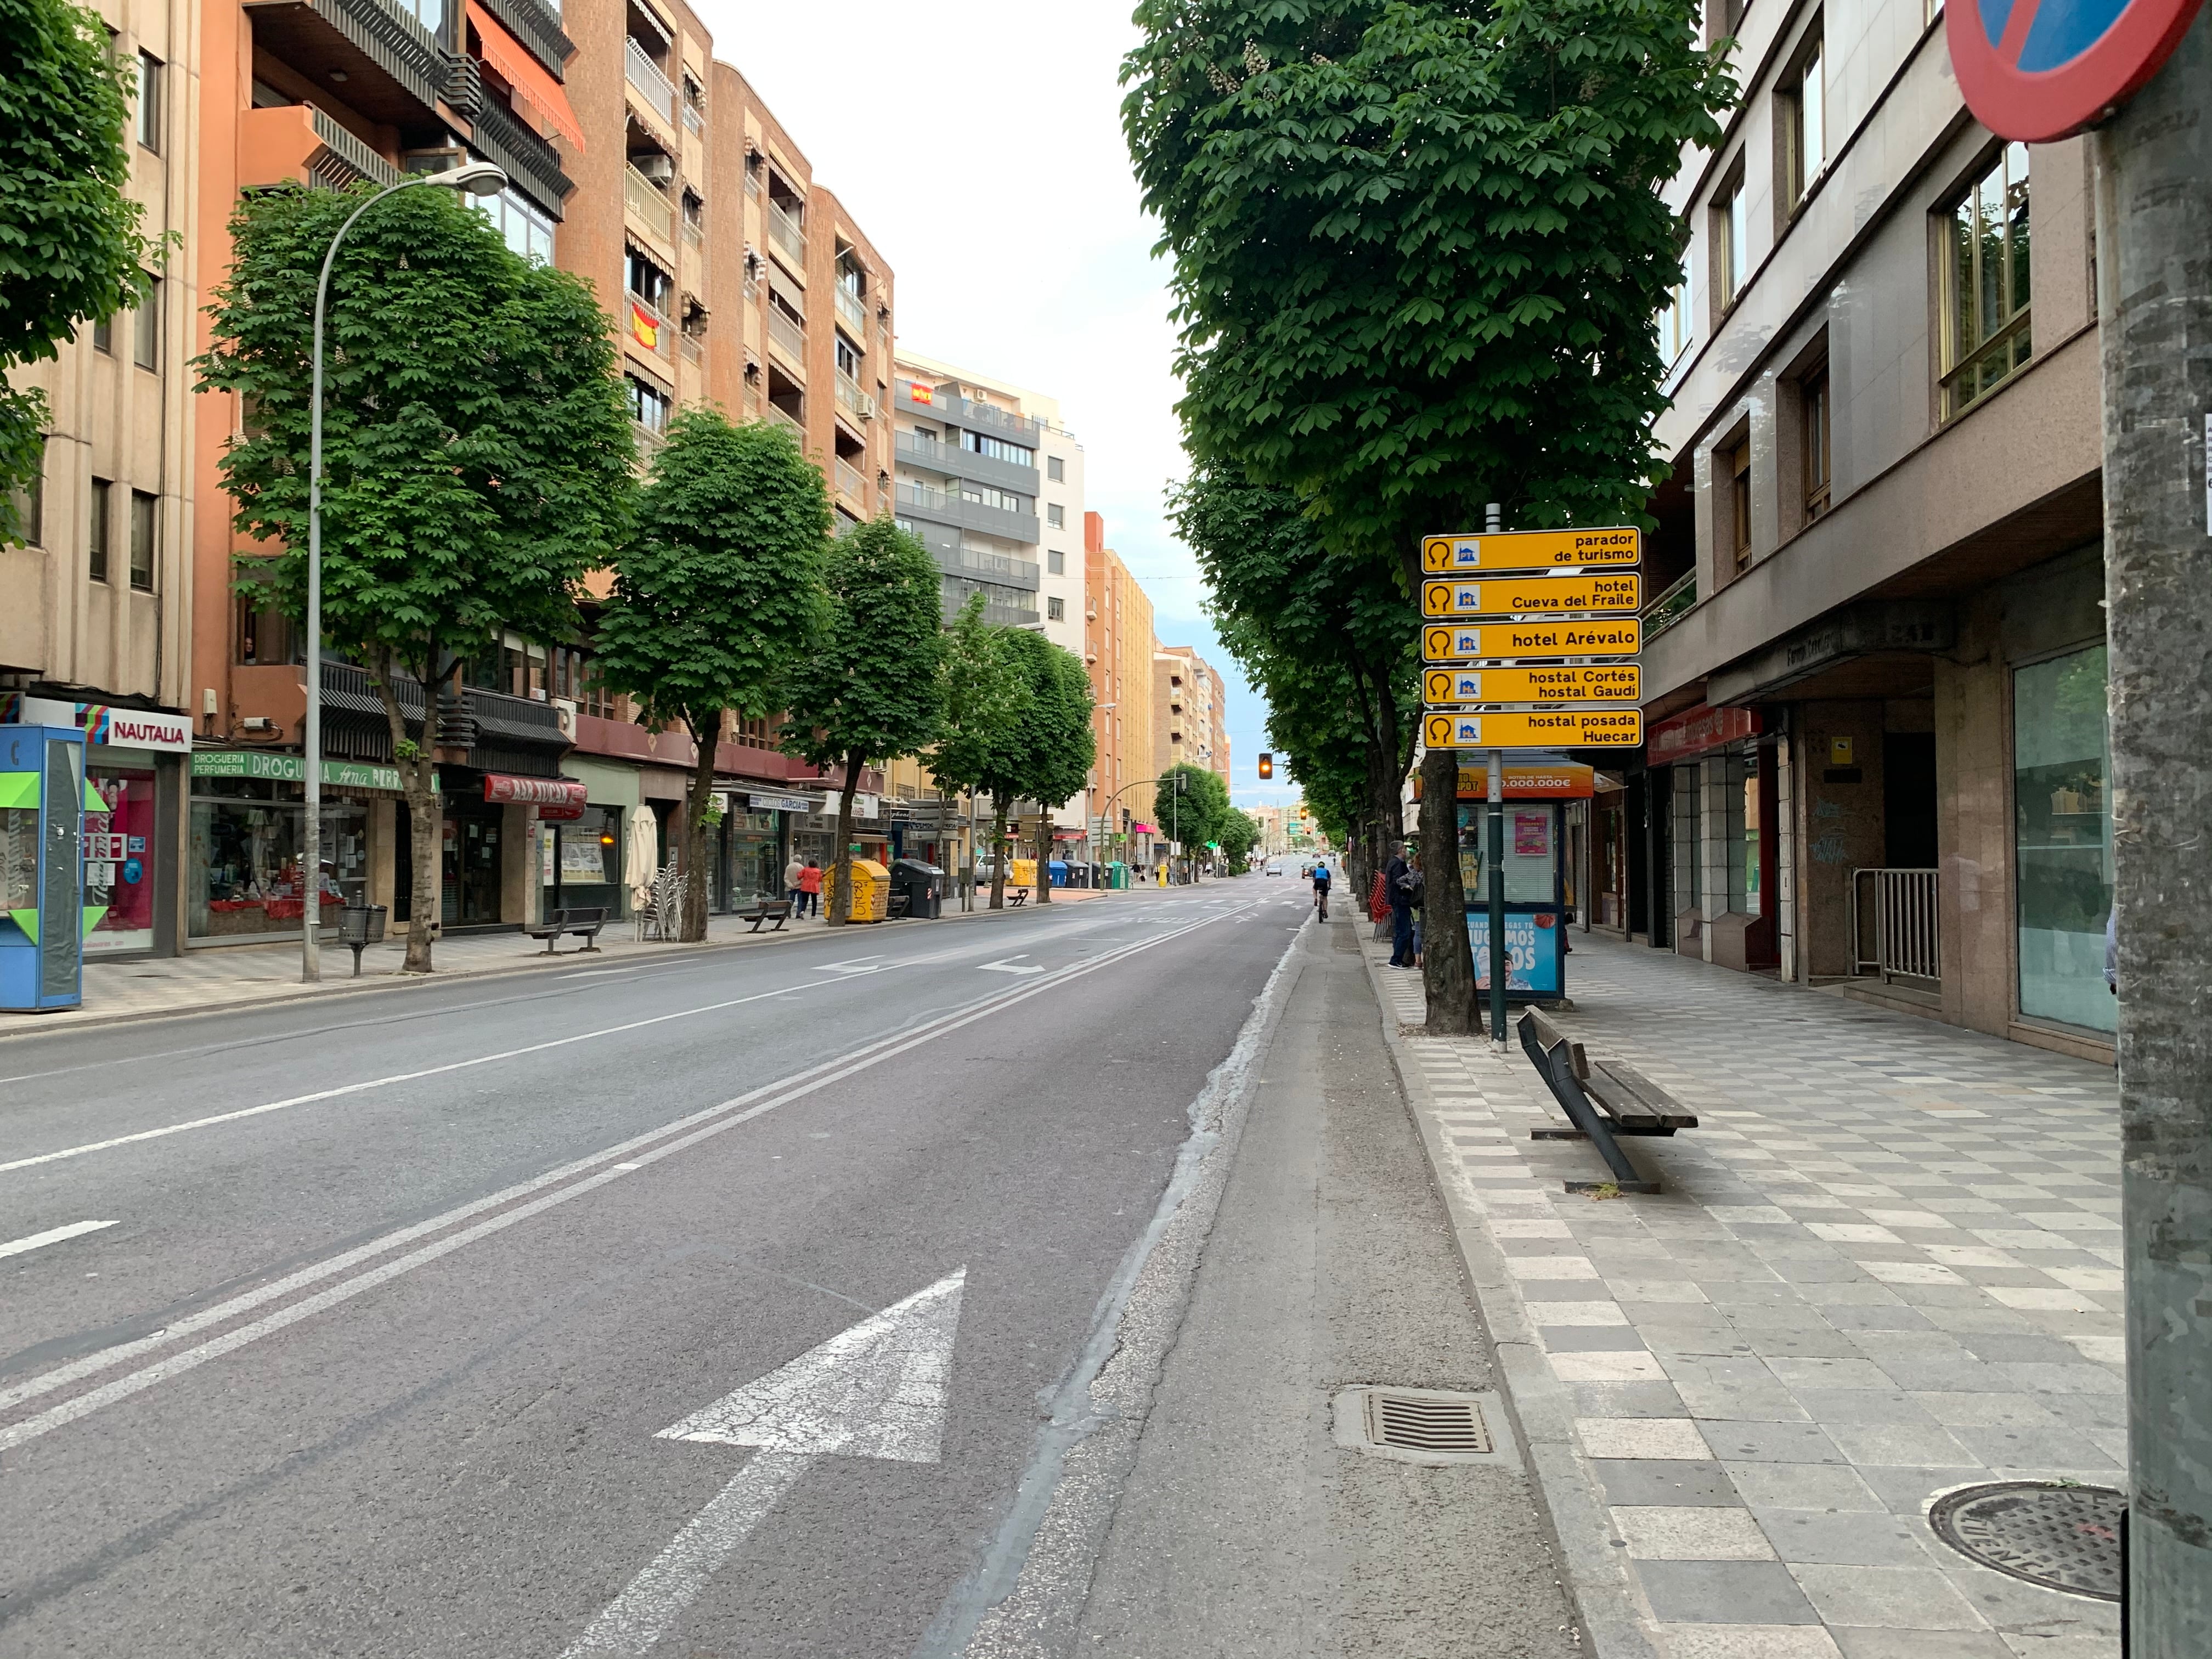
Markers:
<point>71,248</point>
<point>1195,816</point>
<point>718,595</point>
<point>871,689</point>
<point>476,448</point>
<point>1043,749</point>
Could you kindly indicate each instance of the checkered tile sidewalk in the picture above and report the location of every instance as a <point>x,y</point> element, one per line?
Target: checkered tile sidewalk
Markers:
<point>1887,1265</point>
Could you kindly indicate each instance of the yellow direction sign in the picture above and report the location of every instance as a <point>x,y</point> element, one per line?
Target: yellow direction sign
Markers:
<point>1576,637</point>
<point>1610,591</point>
<point>1532,549</point>
<point>1579,683</point>
<point>1536,728</point>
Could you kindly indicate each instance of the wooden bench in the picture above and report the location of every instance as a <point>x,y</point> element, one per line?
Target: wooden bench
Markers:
<point>1602,1100</point>
<point>766,909</point>
<point>1017,897</point>
<point>584,923</point>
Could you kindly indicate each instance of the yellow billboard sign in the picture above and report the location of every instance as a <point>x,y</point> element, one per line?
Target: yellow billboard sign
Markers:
<point>1616,547</point>
<point>1546,683</point>
<point>1576,637</point>
<point>1615,590</point>
<point>1536,728</point>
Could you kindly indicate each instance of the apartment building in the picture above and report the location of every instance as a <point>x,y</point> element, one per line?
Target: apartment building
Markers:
<point>96,630</point>
<point>1118,648</point>
<point>1189,706</point>
<point>1876,666</point>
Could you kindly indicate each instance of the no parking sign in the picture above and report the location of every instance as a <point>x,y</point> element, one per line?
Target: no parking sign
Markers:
<point>2039,69</point>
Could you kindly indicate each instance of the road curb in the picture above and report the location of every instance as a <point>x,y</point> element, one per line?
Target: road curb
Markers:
<point>537,962</point>
<point>1613,1611</point>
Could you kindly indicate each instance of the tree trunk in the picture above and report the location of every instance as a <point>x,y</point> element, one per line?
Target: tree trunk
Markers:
<point>841,867</point>
<point>997,853</point>
<point>1446,961</point>
<point>1044,857</point>
<point>416,771</point>
<point>706,735</point>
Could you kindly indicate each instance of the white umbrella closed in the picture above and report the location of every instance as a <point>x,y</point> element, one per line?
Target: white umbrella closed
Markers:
<point>640,863</point>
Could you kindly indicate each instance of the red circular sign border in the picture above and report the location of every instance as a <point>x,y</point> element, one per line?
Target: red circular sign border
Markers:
<point>2038,107</point>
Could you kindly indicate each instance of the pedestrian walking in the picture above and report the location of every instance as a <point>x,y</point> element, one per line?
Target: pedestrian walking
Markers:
<point>810,888</point>
<point>791,873</point>
<point>1400,877</point>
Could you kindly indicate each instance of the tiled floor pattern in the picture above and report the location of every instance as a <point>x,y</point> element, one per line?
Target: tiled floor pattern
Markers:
<point>1887,1265</point>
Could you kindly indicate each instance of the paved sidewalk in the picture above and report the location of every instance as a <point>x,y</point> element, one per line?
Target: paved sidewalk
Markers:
<point>1887,1265</point>
<point>240,975</point>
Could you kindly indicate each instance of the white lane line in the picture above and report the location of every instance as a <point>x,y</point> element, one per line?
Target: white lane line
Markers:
<point>703,1124</point>
<point>1011,964</point>
<point>52,1235</point>
<point>396,1077</point>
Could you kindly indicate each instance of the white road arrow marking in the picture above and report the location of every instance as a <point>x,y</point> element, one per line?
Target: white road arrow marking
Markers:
<point>877,1389</point>
<point>874,964</point>
<point>74,1230</point>
<point>1007,965</point>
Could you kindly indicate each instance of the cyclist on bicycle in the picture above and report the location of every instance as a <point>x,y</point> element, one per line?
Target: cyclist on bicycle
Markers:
<point>1321,879</point>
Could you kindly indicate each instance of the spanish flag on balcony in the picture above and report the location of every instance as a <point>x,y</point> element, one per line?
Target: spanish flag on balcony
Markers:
<point>644,327</point>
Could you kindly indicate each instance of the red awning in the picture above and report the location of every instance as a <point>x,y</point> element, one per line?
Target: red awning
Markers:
<point>539,92</point>
<point>1144,829</point>
<point>542,791</point>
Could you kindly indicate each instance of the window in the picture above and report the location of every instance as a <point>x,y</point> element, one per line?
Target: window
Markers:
<point>146,326</point>
<point>264,634</point>
<point>1985,277</point>
<point>1813,396</point>
<point>149,101</point>
<point>97,543</point>
<point>522,224</point>
<point>1674,330</point>
<point>31,505</point>
<point>649,406</point>
<point>144,528</point>
<point>1056,516</point>
<point>1056,610</point>
<point>649,282</point>
<point>1056,563</point>
<point>997,449</point>
<point>2063,837</point>
<point>1804,125</point>
<point>848,356</point>
<point>1732,468</point>
<point>1056,468</point>
<point>103,336</point>
<point>985,494</point>
<point>1731,249</point>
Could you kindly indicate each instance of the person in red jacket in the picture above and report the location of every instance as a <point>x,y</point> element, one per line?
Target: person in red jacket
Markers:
<point>810,888</point>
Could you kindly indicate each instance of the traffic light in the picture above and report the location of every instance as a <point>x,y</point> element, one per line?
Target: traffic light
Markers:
<point>1182,783</point>
<point>1267,766</point>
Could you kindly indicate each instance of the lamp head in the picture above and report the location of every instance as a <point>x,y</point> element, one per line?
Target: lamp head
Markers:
<point>477,178</point>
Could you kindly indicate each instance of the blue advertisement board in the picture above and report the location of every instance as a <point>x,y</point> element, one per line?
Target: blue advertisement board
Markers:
<point>1532,951</point>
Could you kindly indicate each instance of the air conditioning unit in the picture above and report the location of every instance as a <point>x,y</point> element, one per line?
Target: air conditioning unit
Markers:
<point>564,710</point>
<point>655,165</point>
<point>865,406</point>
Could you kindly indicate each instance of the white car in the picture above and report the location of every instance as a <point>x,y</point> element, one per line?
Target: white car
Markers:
<point>1275,866</point>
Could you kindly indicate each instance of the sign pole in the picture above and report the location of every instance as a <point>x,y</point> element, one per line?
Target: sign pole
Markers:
<point>1497,955</point>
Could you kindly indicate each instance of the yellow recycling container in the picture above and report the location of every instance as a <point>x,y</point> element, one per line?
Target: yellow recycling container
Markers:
<point>1022,872</point>
<point>872,890</point>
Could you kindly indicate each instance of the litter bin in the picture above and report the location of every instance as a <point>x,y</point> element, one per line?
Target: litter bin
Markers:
<point>923,884</point>
<point>872,890</point>
<point>360,926</point>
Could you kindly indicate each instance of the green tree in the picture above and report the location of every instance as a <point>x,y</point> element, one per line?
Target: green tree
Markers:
<point>716,596</point>
<point>1418,247</point>
<point>1043,750</point>
<point>71,248</point>
<point>1240,834</point>
<point>981,698</point>
<point>871,689</point>
<point>476,449</point>
<point>1193,815</point>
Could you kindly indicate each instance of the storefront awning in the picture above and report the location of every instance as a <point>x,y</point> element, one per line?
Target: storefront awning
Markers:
<point>537,792</point>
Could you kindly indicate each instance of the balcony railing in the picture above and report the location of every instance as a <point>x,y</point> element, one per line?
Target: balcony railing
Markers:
<point>855,313</point>
<point>527,158</point>
<point>850,483</point>
<point>779,416</point>
<point>788,335</point>
<point>654,210</point>
<point>661,346</point>
<point>351,150</point>
<point>1671,606</point>
<point>850,395</point>
<point>694,349</point>
<point>695,233</point>
<point>656,89</point>
<point>926,451</point>
<point>695,119</point>
<point>785,232</point>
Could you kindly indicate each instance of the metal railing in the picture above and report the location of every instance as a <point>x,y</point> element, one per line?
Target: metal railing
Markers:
<point>694,350</point>
<point>647,76</point>
<point>695,119</point>
<point>786,232</point>
<point>662,327</point>
<point>351,150</point>
<point>855,313</point>
<point>788,334</point>
<point>1670,607</point>
<point>695,233</point>
<point>850,395</point>
<point>1900,908</point>
<point>850,482</point>
<point>655,210</point>
<point>778,416</point>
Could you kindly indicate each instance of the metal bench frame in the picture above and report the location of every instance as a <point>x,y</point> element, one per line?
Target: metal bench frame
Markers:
<point>766,909</point>
<point>569,921</point>
<point>1628,1103</point>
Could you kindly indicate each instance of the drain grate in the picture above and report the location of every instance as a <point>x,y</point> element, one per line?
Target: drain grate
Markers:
<point>2062,1537</point>
<point>1423,1425</point>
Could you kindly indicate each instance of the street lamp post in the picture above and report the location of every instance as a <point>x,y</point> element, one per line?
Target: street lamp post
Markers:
<point>478,178</point>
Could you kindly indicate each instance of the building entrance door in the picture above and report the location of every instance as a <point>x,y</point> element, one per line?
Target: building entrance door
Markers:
<point>472,864</point>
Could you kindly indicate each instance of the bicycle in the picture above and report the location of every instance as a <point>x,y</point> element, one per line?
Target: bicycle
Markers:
<point>1321,904</point>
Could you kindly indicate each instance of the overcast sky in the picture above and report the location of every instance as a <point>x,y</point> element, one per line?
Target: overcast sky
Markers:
<point>980,147</point>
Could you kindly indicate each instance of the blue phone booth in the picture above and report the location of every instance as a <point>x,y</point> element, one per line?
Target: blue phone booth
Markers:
<point>1536,794</point>
<point>42,912</point>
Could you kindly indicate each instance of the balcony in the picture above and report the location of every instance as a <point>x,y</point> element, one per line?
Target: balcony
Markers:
<point>945,508</point>
<point>776,414</point>
<point>987,566</point>
<point>955,410</point>
<point>533,164</point>
<point>695,119</point>
<point>998,611</point>
<point>851,397</point>
<point>654,211</point>
<point>393,68</point>
<point>694,349</point>
<point>850,484</point>
<point>663,329</point>
<point>789,337</point>
<point>785,232</point>
<point>955,463</point>
<point>538,27</point>
<point>855,313</point>
<point>299,142</point>
<point>1670,607</point>
<point>658,91</point>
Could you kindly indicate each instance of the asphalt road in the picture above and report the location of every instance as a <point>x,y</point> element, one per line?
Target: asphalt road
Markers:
<point>399,1292</point>
<point>913,1292</point>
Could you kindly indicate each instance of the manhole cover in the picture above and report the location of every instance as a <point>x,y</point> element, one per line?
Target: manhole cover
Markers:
<point>1423,1425</point>
<point>2062,1537</point>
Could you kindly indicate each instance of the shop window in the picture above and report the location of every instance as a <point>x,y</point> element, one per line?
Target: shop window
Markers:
<point>99,530</point>
<point>1813,412</point>
<point>250,869</point>
<point>1689,888</point>
<point>2062,838</point>
<point>1803,122</point>
<point>120,843</point>
<point>1985,282</point>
